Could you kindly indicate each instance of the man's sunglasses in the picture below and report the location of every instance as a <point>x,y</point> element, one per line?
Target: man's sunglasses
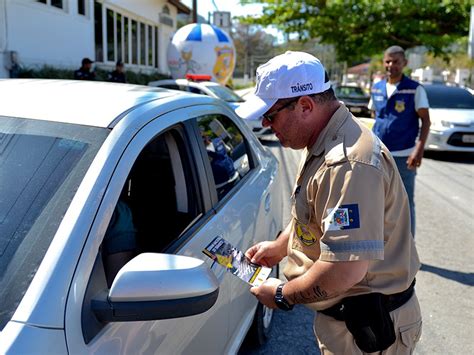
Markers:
<point>271,115</point>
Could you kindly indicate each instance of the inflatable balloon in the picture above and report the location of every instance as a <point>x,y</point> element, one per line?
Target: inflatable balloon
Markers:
<point>202,49</point>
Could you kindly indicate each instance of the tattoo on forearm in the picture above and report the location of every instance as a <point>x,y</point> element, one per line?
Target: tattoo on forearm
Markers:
<point>315,294</point>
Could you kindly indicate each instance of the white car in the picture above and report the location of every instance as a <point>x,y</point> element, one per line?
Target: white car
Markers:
<point>452,118</point>
<point>108,197</point>
<point>210,88</point>
<point>202,87</point>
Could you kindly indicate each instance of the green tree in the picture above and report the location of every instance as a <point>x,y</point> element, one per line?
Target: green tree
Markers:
<point>361,28</point>
<point>250,41</point>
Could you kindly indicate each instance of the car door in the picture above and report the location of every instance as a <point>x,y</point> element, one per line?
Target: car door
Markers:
<point>244,200</point>
<point>162,178</point>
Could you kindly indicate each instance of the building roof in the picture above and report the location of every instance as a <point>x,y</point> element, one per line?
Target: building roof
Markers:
<point>182,9</point>
<point>359,69</point>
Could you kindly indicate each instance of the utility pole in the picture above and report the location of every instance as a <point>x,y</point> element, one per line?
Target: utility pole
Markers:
<point>195,11</point>
<point>470,45</point>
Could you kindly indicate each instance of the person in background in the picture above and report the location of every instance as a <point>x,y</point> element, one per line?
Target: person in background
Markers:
<point>351,256</point>
<point>14,68</point>
<point>118,75</point>
<point>119,245</point>
<point>399,104</point>
<point>85,72</point>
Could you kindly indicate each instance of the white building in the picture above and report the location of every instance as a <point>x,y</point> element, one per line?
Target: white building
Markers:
<point>60,33</point>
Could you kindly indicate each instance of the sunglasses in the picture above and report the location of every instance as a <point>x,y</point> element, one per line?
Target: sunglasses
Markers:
<point>271,115</point>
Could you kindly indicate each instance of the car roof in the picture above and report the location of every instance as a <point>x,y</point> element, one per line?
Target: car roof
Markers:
<point>443,87</point>
<point>91,103</point>
<point>185,82</point>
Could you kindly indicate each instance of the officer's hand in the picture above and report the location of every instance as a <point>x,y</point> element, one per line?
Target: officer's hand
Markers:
<point>266,253</point>
<point>265,293</point>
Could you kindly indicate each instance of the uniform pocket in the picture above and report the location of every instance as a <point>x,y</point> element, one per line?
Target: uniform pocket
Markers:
<point>411,334</point>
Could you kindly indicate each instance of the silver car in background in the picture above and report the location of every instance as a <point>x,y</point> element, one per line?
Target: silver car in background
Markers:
<point>452,118</point>
<point>109,193</point>
<point>196,85</point>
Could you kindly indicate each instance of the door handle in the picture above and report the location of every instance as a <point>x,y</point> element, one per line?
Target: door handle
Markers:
<point>267,203</point>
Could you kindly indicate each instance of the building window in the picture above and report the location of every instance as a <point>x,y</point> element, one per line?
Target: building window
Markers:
<point>124,38</point>
<point>81,7</point>
<point>99,48</point>
<point>134,42</point>
<point>155,43</point>
<point>110,35</point>
<point>120,42</point>
<point>150,45</point>
<point>56,3</point>
<point>142,44</point>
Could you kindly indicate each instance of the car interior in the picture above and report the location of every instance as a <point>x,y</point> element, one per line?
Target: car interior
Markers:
<point>162,204</point>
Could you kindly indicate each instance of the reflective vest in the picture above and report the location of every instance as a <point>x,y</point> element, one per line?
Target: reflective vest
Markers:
<point>396,120</point>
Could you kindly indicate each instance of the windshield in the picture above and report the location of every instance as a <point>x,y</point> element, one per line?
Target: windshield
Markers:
<point>350,91</point>
<point>225,93</point>
<point>449,97</point>
<point>41,167</point>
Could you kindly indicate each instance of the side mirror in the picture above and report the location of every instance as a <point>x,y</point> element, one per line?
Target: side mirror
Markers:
<point>158,286</point>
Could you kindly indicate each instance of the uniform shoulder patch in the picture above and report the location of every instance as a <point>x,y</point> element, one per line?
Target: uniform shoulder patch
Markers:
<point>342,217</point>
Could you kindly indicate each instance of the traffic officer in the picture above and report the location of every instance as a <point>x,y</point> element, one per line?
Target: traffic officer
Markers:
<point>350,253</point>
<point>85,72</point>
<point>118,74</point>
<point>399,104</point>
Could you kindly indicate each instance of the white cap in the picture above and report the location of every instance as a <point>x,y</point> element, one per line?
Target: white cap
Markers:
<point>287,75</point>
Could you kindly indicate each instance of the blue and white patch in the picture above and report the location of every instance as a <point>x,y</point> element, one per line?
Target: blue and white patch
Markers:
<point>342,217</point>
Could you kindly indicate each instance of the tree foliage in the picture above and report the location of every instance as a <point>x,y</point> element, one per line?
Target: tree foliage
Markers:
<point>361,28</point>
<point>251,41</point>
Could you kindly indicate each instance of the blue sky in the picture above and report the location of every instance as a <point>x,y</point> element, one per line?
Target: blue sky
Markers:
<point>206,6</point>
<point>234,7</point>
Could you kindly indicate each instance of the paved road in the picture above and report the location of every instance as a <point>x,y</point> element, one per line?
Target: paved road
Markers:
<point>445,240</point>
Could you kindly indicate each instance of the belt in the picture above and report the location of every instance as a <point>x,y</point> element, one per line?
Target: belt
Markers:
<point>392,302</point>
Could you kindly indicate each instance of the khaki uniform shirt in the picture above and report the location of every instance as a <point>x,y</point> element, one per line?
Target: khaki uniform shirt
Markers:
<point>349,203</point>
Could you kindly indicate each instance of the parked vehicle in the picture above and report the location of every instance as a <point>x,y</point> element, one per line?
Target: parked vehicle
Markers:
<point>200,84</point>
<point>355,99</point>
<point>452,118</point>
<point>108,198</point>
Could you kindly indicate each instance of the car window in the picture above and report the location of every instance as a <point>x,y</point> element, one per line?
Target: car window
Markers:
<point>227,150</point>
<point>350,91</point>
<point>170,86</point>
<point>195,90</point>
<point>158,203</point>
<point>41,167</point>
<point>449,97</point>
<point>225,93</point>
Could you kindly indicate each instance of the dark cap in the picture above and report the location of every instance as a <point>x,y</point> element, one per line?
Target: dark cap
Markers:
<point>86,61</point>
<point>119,63</point>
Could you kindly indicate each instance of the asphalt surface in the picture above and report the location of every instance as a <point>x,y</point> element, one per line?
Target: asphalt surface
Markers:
<point>291,333</point>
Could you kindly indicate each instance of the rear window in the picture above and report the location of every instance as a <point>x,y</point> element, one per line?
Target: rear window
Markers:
<point>225,93</point>
<point>350,91</point>
<point>449,97</point>
<point>41,167</point>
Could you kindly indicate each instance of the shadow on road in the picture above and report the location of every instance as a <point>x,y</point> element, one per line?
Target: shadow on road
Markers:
<point>461,277</point>
<point>457,157</point>
<point>291,333</point>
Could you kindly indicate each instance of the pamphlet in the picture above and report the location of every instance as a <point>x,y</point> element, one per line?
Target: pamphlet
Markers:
<point>235,261</point>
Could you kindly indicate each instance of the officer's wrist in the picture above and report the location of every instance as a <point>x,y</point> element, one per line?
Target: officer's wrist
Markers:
<point>285,295</point>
